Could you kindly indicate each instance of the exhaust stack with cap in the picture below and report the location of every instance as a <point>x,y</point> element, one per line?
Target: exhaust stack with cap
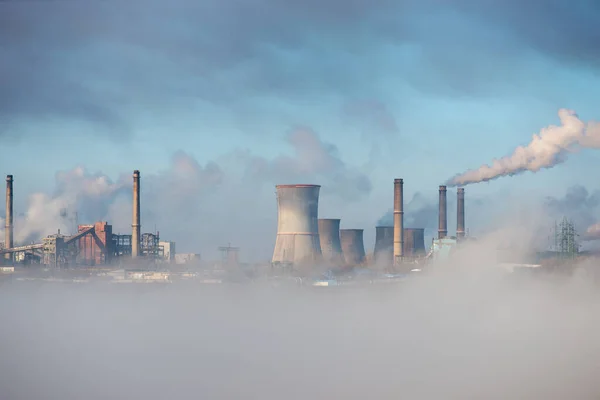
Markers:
<point>398,221</point>
<point>443,219</point>
<point>8,233</point>
<point>460,213</point>
<point>135,225</point>
<point>297,227</point>
<point>353,246</point>
<point>329,236</point>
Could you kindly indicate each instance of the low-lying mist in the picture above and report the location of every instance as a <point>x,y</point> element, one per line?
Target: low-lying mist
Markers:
<point>465,329</point>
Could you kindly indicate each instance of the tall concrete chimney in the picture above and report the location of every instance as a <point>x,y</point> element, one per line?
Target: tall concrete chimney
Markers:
<point>443,219</point>
<point>398,221</point>
<point>460,213</point>
<point>8,233</point>
<point>135,225</point>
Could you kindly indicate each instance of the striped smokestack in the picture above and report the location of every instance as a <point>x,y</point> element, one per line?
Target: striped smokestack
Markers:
<point>398,220</point>
<point>460,213</point>
<point>443,219</point>
<point>8,233</point>
<point>135,225</point>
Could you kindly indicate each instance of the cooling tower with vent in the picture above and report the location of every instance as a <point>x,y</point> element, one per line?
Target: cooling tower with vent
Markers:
<point>297,227</point>
<point>414,242</point>
<point>329,236</point>
<point>383,254</point>
<point>353,246</point>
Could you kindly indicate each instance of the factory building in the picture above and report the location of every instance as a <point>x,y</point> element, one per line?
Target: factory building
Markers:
<point>96,248</point>
<point>167,251</point>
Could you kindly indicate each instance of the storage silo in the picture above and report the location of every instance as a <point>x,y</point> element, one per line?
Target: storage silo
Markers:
<point>353,246</point>
<point>329,237</point>
<point>297,227</point>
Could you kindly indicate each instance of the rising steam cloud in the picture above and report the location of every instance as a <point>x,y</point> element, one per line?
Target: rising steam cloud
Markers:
<point>547,148</point>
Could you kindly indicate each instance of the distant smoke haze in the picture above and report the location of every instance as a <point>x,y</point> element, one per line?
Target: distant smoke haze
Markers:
<point>198,206</point>
<point>548,148</point>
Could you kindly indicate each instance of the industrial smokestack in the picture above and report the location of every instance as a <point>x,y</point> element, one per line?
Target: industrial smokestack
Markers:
<point>297,227</point>
<point>443,219</point>
<point>460,213</point>
<point>414,242</point>
<point>398,220</point>
<point>135,225</point>
<point>8,233</point>
<point>329,236</point>
<point>353,246</point>
<point>383,254</point>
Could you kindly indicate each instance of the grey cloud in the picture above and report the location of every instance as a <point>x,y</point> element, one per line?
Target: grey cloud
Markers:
<point>93,61</point>
<point>578,204</point>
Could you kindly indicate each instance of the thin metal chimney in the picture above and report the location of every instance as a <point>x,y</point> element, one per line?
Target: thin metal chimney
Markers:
<point>460,213</point>
<point>297,240</point>
<point>8,233</point>
<point>443,219</point>
<point>135,225</point>
<point>398,221</point>
<point>329,235</point>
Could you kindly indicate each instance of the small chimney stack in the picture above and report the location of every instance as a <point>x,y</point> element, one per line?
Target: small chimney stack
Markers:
<point>8,233</point>
<point>398,221</point>
<point>460,213</point>
<point>443,219</point>
<point>135,225</point>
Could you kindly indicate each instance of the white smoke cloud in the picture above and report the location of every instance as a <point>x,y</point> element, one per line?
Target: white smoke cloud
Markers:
<point>547,148</point>
<point>198,206</point>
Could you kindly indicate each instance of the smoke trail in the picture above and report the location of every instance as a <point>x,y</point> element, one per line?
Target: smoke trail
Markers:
<point>546,149</point>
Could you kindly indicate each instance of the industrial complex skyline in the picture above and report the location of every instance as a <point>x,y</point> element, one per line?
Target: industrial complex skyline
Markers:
<point>214,117</point>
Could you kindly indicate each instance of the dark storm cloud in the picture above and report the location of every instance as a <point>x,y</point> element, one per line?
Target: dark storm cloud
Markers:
<point>93,60</point>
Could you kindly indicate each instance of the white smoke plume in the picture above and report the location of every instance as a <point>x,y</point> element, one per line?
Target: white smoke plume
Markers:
<point>547,148</point>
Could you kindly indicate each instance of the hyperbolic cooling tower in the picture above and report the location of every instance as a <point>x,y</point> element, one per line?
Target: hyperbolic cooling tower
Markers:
<point>414,242</point>
<point>8,233</point>
<point>297,227</point>
<point>460,213</point>
<point>383,253</point>
<point>329,235</point>
<point>353,246</point>
<point>443,219</point>
<point>135,224</point>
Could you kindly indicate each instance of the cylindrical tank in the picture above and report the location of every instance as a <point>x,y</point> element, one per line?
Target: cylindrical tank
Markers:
<point>8,233</point>
<point>398,221</point>
<point>383,254</point>
<point>353,246</point>
<point>329,236</point>
<point>443,219</point>
<point>297,227</point>
<point>460,213</point>
<point>414,242</point>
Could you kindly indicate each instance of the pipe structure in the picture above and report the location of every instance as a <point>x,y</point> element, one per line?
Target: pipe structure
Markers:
<point>460,213</point>
<point>398,221</point>
<point>383,253</point>
<point>297,227</point>
<point>329,236</point>
<point>414,242</point>
<point>443,219</point>
<point>8,232</point>
<point>135,225</point>
<point>353,246</point>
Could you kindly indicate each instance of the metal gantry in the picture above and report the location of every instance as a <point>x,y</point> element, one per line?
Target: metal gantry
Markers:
<point>565,239</point>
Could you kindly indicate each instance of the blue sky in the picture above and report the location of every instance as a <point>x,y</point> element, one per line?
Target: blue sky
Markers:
<point>419,90</point>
